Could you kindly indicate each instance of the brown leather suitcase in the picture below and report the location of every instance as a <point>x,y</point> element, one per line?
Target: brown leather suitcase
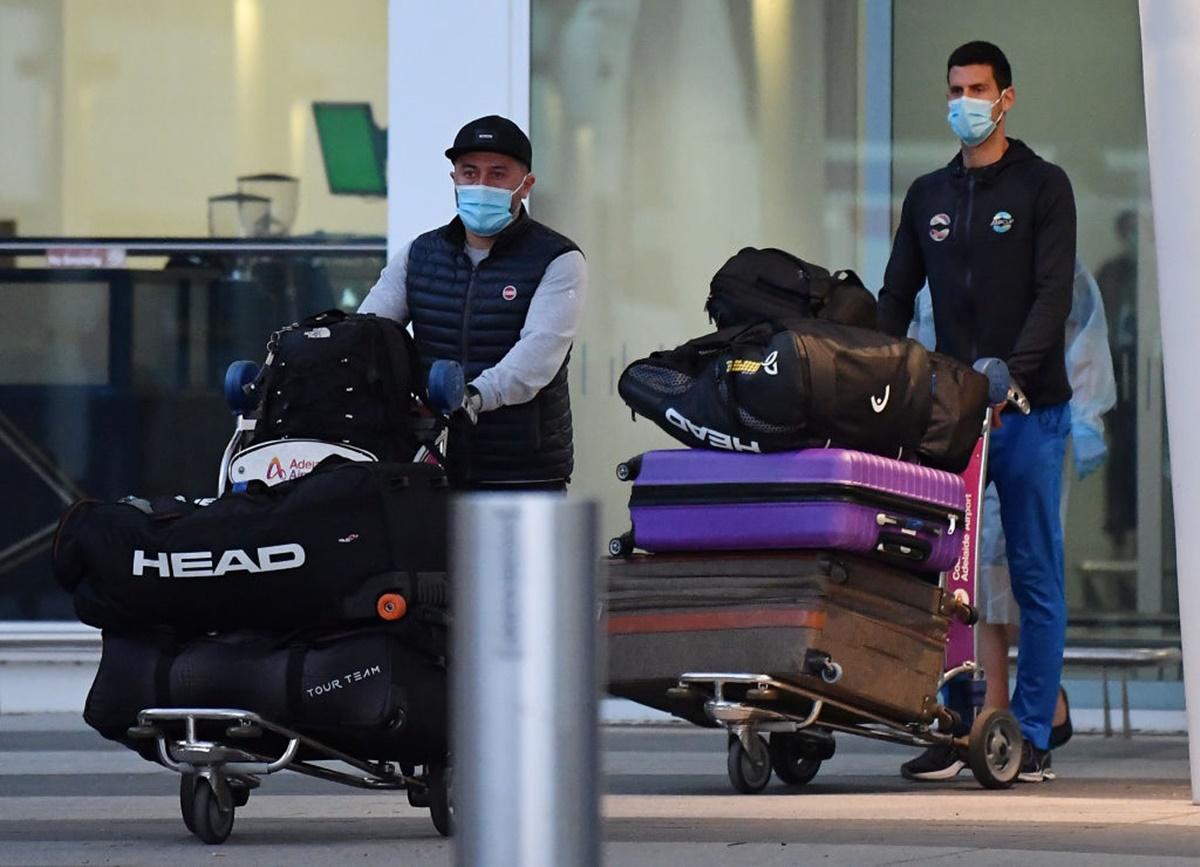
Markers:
<point>782,615</point>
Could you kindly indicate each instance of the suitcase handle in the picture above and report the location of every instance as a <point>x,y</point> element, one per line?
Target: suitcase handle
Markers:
<point>908,526</point>
<point>906,547</point>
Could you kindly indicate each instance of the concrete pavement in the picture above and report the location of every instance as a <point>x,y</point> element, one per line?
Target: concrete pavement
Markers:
<point>68,797</point>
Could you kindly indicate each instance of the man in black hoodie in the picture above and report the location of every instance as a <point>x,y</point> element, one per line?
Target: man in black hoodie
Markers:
<point>993,233</point>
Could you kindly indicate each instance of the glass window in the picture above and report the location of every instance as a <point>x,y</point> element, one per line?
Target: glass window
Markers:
<point>124,119</point>
<point>667,135</point>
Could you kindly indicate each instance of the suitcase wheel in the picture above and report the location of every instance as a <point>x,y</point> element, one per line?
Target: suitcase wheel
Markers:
<point>820,664</point>
<point>391,606</point>
<point>749,770</point>
<point>832,672</point>
<point>621,546</point>
<point>629,470</point>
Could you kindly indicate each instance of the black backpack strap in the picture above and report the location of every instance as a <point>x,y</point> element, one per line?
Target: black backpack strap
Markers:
<point>325,317</point>
<point>400,354</point>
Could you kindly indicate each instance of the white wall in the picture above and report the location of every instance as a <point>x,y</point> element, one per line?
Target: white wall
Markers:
<point>670,133</point>
<point>1171,58</point>
<point>449,62</point>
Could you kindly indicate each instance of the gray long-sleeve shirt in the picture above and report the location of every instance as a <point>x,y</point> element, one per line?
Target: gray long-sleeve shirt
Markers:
<point>538,354</point>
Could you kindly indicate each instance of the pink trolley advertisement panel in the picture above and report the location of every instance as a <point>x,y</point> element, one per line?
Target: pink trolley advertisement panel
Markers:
<point>962,580</point>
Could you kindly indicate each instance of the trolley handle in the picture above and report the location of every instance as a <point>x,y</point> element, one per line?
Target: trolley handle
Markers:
<point>1001,387</point>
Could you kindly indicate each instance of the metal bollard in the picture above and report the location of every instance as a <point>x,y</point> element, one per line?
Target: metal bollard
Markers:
<point>525,682</point>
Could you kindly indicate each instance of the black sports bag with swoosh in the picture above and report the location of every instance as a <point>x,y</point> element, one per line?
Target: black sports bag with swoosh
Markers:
<point>801,383</point>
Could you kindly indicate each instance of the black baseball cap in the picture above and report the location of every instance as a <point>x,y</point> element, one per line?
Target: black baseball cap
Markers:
<point>493,134</point>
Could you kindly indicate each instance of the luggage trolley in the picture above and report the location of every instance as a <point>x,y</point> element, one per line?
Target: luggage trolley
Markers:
<point>800,721</point>
<point>217,775</point>
<point>221,754</point>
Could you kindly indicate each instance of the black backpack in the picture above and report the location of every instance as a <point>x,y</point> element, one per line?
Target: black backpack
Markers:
<point>772,284</point>
<point>804,383</point>
<point>343,377</point>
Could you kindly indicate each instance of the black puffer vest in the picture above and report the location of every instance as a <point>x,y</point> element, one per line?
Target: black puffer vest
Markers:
<point>475,316</point>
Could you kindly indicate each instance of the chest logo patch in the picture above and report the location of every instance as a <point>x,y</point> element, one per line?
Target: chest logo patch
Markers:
<point>509,293</point>
<point>1002,222</point>
<point>939,227</point>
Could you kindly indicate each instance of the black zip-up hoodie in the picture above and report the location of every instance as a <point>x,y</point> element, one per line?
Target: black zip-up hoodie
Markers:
<point>997,245</point>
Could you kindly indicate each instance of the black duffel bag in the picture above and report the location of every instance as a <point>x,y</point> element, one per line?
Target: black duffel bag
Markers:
<point>348,378</point>
<point>778,386</point>
<point>367,691</point>
<point>319,550</point>
<point>960,396</point>
<point>772,284</point>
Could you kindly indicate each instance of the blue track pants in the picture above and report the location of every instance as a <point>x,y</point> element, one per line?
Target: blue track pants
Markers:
<point>1025,461</point>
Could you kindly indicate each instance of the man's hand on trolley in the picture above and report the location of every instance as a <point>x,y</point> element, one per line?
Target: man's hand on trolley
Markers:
<point>472,404</point>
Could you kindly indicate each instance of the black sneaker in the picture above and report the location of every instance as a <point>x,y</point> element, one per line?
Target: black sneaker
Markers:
<point>1061,733</point>
<point>939,762</point>
<point>1047,768</point>
<point>1033,764</point>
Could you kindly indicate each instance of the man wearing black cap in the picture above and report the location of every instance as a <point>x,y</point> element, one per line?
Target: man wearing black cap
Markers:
<point>502,294</point>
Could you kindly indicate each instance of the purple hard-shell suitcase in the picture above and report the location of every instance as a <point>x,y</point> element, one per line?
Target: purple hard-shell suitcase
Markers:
<point>701,500</point>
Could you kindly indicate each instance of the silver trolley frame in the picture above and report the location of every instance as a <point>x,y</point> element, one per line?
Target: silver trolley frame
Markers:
<point>216,777</point>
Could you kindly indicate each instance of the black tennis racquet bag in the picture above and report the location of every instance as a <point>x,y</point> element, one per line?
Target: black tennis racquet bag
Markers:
<point>802,383</point>
<point>317,551</point>
<point>375,693</point>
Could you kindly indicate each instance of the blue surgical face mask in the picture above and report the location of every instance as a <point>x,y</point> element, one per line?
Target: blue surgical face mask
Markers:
<point>485,210</point>
<point>971,119</point>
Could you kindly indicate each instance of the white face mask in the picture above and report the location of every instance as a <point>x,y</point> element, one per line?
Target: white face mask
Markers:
<point>971,118</point>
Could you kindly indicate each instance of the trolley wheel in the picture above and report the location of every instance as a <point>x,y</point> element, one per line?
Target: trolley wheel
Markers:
<point>240,790</point>
<point>793,764</point>
<point>749,771</point>
<point>209,822</point>
<point>994,749</point>
<point>187,797</point>
<point>441,799</point>
<point>418,796</point>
